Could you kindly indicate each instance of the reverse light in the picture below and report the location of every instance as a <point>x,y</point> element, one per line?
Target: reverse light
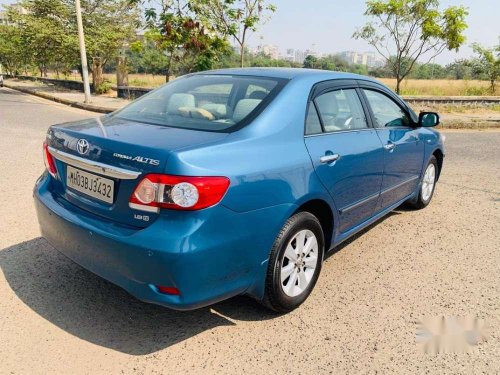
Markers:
<point>157,191</point>
<point>185,194</point>
<point>49,160</point>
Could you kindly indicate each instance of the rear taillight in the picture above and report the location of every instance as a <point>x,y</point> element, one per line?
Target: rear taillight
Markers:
<point>49,160</point>
<point>157,191</point>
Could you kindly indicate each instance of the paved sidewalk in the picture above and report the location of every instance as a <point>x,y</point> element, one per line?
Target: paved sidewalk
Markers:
<point>101,103</point>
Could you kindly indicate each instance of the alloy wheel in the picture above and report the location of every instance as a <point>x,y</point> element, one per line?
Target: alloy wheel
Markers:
<point>299,263</point>
<point>428,182</point>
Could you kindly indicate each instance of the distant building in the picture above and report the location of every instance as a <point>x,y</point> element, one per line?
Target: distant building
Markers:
<point>3,18</point>
<point>370,59</point>
<point>312,52</point>
<point>295,55</point>
<point>270,50</point>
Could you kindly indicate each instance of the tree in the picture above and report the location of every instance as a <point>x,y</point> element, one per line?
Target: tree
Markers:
<point>310,62</point>
<point>109,26</point>
<point>259,59</point>
<point>235,18</point>
<point>44,29</point>
<point>48,33</point>
<point>334,62</point>
<point>403,31</point>
<point>428,71</point>
<point>459,69</point>
<point>150,59</point>
<point>262,59</point>
<point>189,43</point>
<point>358,69</point>
<point>12,54</point>
<point>488,63</point>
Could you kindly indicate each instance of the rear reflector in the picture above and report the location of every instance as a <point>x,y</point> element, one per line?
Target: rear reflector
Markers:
<point>157,191</point>
<point>49,160</point>
<point>169,290</point>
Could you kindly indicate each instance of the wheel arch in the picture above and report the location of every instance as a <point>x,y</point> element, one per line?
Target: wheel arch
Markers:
<point>439,155</point>
<point>322,210</point>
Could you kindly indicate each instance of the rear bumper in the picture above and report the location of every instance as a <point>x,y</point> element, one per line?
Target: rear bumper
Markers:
<point>209,255</point>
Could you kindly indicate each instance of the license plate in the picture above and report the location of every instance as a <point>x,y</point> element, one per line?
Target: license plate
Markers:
<point>90,184</point>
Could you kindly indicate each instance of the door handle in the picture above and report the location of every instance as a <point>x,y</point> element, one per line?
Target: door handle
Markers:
<point>390,146</point>
<point>329,158</point>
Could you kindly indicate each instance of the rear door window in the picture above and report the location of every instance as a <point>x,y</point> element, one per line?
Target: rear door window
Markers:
<point>341,110</point>
<point>313,124</point>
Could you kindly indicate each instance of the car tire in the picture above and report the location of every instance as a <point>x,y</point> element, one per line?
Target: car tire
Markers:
<point>294,263</point>
<point>426,186</point>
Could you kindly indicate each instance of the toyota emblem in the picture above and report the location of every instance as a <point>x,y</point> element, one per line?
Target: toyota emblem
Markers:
<point>82,146</point>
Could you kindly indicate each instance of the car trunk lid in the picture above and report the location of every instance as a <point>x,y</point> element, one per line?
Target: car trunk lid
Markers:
<point>118,152</point>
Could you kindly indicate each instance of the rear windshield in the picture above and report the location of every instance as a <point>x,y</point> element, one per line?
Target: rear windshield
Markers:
<point>205,102</point>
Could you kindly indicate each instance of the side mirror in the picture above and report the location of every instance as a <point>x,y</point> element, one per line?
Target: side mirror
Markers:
<point>428,119</point>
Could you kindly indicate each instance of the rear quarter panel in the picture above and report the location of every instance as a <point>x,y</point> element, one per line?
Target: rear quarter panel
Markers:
<point>267,161</point>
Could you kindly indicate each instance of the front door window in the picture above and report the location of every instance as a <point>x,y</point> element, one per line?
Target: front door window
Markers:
<point>385,111</point>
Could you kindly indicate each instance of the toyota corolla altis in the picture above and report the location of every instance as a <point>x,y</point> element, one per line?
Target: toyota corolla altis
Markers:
<point>233,182</point>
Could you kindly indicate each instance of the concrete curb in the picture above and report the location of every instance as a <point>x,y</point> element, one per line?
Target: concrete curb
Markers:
<point>70,103</point>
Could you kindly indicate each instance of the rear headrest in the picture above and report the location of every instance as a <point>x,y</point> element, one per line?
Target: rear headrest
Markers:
<point>244,107</point>
<point>180,100</point>
<point>257,94</point>
<point>328,102</point>
<point>218,110</point>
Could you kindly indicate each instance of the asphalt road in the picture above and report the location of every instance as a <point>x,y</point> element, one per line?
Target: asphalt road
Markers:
<point>56,317</point>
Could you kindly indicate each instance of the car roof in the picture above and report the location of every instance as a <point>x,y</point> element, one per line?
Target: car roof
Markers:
<point>290,73</point>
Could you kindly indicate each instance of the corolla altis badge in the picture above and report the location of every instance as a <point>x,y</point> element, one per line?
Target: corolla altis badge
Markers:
<point>82,146</point>
<point>140,159</point>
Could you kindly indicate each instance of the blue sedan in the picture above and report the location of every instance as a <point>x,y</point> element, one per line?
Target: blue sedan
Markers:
<point>233,182</point>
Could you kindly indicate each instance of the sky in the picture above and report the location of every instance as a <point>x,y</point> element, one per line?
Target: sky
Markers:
<point>329,25</point>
